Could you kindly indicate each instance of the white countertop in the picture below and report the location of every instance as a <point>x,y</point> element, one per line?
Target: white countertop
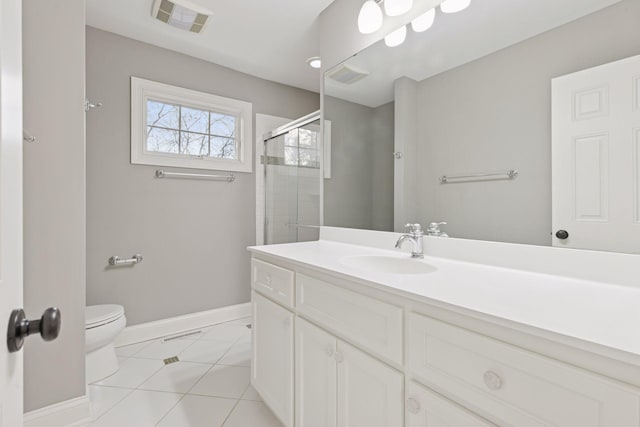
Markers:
<point>597,313</point>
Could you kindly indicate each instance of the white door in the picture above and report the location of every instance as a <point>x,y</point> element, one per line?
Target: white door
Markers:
<point>370,394</point>
<point>426,408</point>
<point>10,204</point>
<point>596,156</point>
<point>315,376</point>
<point>272,361</point>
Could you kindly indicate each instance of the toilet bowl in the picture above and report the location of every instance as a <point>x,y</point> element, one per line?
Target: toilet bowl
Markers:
<point>103,323</point>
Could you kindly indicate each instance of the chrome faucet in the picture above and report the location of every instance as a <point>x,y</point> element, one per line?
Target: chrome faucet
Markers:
<point>434,230</point>
<point>415,237</point>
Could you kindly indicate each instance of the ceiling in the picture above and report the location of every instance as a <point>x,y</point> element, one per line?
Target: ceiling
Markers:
<point>269,39</point>
<point>485,27</point>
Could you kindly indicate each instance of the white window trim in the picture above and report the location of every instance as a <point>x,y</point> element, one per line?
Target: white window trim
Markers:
<point>142,90</point>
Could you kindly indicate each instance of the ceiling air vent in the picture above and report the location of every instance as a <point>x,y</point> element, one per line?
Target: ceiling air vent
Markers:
<point>181,14</point>
<point>347,74</point>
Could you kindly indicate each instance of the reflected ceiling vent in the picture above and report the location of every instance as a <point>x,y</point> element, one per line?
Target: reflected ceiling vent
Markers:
<point>347,74</point>
<point>181,14</point>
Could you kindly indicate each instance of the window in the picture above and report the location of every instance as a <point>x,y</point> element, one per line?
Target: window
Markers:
<point>172,126</point>
<point>301,148</point>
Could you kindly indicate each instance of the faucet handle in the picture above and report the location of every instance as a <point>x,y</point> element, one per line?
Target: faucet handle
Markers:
<point>414,228</point>
<point>436,225</point>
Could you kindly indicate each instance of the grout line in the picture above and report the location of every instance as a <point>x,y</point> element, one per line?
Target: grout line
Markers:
<point>230,413</point>
<point>200,379</point>
<point>170,409</point>
<point>130,391</point>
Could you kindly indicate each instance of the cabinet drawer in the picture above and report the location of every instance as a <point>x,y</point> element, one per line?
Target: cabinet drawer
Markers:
<point>428,409</point>
<point>512,385</point>
<point>373,324</point>
<point>272,281</point>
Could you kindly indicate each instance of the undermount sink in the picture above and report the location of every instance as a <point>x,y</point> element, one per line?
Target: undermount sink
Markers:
<point>387,264</point>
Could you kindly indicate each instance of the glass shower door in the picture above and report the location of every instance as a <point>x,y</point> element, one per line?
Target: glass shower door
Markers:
<point>292,185</point>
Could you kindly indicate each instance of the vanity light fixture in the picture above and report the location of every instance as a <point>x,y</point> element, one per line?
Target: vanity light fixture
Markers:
<point>397,37</point>
<point>370,17</point>
<point>424,22</point>
<point>454,6</point>
<point>314,62</point>
<point>181,14</point>
<point>397,7</point>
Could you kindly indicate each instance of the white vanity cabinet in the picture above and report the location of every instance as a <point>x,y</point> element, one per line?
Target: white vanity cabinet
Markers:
<point>272,361</point>
<point>515,386</point>
<point>364,357</point>
<point>339,385</point>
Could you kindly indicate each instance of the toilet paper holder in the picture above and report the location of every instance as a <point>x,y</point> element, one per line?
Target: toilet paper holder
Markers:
<point>116,260</point>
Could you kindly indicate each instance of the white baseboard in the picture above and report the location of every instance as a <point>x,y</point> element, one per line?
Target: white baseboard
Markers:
<point>70,413</point>
<point>176,325</point>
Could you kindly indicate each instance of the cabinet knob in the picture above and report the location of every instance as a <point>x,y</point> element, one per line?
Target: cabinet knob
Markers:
<point>413,406</point>
<point>492,380</point>
<point>562,234</point>
<point>329,351</point>
<point>268,279</point>
<point>339,357</point>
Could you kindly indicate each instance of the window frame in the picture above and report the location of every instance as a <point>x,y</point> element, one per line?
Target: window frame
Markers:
<point>143,90</point>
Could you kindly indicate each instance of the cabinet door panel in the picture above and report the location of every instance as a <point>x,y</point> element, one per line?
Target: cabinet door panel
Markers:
<point>272,361</point>
<point>315,376</point>
<point>370,393</point>
<point>425,408</point>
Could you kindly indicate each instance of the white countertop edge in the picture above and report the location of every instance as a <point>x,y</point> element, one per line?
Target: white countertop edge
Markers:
<point>605,267</point>
<point>550,335</point>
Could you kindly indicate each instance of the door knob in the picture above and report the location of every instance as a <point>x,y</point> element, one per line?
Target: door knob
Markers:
<point>562,234</point>
<point>48,326</point>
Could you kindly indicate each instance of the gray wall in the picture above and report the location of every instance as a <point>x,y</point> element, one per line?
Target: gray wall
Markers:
<point>360,191</point>
<point>495,113</point>
<point>193,234</point>
<point>382,167</point>
<point>54,196</point>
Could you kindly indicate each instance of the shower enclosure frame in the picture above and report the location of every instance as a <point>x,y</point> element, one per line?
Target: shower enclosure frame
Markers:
<point>282,130</point>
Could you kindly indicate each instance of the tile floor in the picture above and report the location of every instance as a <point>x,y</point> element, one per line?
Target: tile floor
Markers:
<point>208,387</point>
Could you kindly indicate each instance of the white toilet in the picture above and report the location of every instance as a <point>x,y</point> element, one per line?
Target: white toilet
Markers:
<point>103,323</point>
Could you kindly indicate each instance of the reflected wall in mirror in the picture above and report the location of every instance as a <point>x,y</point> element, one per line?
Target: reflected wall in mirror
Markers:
<point>501,86</point>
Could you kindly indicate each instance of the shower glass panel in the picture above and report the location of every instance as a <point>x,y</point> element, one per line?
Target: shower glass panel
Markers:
<point>292,185</point>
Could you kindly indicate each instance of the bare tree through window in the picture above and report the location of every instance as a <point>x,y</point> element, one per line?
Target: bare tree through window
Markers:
<point>179,129</point>
<point>301,148</point>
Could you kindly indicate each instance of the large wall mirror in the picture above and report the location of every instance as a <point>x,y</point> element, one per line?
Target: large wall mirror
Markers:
<point>513,121</point>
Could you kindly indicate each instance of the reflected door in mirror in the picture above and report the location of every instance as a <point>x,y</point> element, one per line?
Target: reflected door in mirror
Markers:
<point>596,156</point>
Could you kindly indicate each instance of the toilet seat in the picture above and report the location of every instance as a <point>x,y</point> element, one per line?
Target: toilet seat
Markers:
<point>100,315</point>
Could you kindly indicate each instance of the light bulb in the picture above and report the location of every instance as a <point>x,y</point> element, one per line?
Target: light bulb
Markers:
<point>453,6</point>
<point>397,37</point>
<point>314,62</point>
<point>370,17</point>
<point>424,21</point>
<point>397,7</point>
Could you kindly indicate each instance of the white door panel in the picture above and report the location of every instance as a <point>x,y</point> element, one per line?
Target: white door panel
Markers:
<point>595,157</point>
<point>10,204</point>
